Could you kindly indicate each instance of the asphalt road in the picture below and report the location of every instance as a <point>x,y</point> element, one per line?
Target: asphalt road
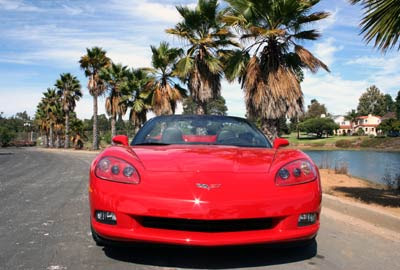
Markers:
<point>44,224</point>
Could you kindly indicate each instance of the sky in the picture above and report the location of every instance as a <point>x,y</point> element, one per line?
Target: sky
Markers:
<point>40,39</point>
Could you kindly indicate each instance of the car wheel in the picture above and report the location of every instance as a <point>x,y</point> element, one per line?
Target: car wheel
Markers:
<point>97,239</point>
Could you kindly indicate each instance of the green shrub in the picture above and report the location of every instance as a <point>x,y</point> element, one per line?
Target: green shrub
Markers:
<point>343,143</point>
<point>6,136</point>
<point>107,137</point>
<point>370,142</point>
<point>360,132</point>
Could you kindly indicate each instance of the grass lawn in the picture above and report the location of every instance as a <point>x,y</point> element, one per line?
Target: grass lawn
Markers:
<point>356,142</point>
<point>314,141</point>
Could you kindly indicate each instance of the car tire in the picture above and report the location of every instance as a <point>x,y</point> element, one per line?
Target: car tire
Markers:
<point>97,239</point>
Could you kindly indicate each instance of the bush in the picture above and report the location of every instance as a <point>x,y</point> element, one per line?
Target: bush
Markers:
<point>6,136</point>
<point>107,137</point>
<point>341,168</point>
<point>370,142</point>
<point>343,143</point>
<point>360,132</point>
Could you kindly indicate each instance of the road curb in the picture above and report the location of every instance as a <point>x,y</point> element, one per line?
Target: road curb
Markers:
<point>362,212</point>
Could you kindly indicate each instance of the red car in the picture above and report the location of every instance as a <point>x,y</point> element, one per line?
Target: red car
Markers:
<point>203,181</point>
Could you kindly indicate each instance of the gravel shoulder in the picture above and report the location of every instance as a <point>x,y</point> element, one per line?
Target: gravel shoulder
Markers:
<point>352,189</point>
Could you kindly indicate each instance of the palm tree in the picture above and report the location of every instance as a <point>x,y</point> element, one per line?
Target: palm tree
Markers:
<point>381,22</point>
<point>69,90</point>
<point>115,78</point>
<point>51,105</point>
<point>352,116</point>
<point>42,123</point>
<point>164,92</point>
<point>269,67</point>
<point>94,60</point>
<point>206,37</point>
<point>136,97</point>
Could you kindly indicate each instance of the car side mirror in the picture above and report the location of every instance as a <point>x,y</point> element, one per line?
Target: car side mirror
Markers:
<point>121,139</point>
<point>280,142</point>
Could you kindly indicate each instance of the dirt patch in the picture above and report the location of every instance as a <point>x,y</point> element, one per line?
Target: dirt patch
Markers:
<point>356,189</point>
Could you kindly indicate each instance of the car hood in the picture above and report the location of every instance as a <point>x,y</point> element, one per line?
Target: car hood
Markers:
<point>204,158</point>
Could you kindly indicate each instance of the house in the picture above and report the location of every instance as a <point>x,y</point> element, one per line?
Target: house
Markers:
<point>367,124</point>
<point>345,127</point>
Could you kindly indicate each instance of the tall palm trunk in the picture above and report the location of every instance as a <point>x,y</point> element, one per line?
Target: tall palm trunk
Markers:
<point>113,126</point>
<point>51,137</point>
<point>95,132</point>
<point>45,139</point>
<point>66,144</point>
<point>58,143</point>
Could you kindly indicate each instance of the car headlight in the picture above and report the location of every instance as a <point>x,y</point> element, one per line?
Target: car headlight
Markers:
<point>296,172</point>
<point>118,170</point>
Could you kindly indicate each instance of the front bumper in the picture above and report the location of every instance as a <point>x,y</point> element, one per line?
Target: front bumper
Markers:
<point>283,209</point>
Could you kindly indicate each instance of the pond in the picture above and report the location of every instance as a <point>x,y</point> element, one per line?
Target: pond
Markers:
<point>370,165</point>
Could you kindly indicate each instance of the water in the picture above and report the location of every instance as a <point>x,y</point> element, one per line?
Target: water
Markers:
<point>370,165</point>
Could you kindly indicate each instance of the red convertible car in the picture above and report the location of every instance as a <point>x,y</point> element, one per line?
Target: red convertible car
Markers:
<point>203,181</point>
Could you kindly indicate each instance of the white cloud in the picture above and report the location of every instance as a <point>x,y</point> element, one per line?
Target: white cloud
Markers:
<point>72,10</point>
<point>66,45</point>
<point>338,94</point>
<point>17,5</point>
<point>328,22</point>
<point>147,10</point>
<point>382,71</point>
<point>326,50</point>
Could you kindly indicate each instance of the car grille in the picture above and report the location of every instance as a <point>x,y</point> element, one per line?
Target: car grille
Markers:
<point>194,225</point>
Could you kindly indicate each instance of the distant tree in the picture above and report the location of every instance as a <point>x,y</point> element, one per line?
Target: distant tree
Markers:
<point>389,103</point>
<point>207,39</point>
<point>51,106</point>
<point>397,105</point>
<point>115,78</point>
<point>137,97</point>
<point>164,91</point>
<point>380,22</point>
<point>372,102</point>
<point>69,90</point>
<point>319,126</point>
<point>389,126</point>
<point>92,62</point>
<point>216,106</point>
<point>269,65</point>
<point>315,109</point>
<point>6,135</point>
<point>283,126</point>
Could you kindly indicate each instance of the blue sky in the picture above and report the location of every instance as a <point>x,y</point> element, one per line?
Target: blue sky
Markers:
<point>41,39</point>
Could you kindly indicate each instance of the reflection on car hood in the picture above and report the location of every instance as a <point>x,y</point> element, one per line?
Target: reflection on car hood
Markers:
<point>204,158</point>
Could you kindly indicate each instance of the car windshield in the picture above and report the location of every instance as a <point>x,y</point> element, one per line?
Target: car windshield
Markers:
<point>203,130</point>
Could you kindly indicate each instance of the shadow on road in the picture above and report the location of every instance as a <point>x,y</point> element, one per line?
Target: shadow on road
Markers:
<point>372,195</point>
<point>210,258</point>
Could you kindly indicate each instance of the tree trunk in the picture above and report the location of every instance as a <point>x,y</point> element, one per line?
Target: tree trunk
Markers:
<point>45,140</point>
<point>58,143</point>
<point>66,144</point>
<point>95,132</point>
<point>113,127</point>
<point>51,139</point>
<point>270,127</point>
<point>201,108</point>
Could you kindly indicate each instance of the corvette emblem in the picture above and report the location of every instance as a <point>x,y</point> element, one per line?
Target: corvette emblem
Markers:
<point>208,187</point>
